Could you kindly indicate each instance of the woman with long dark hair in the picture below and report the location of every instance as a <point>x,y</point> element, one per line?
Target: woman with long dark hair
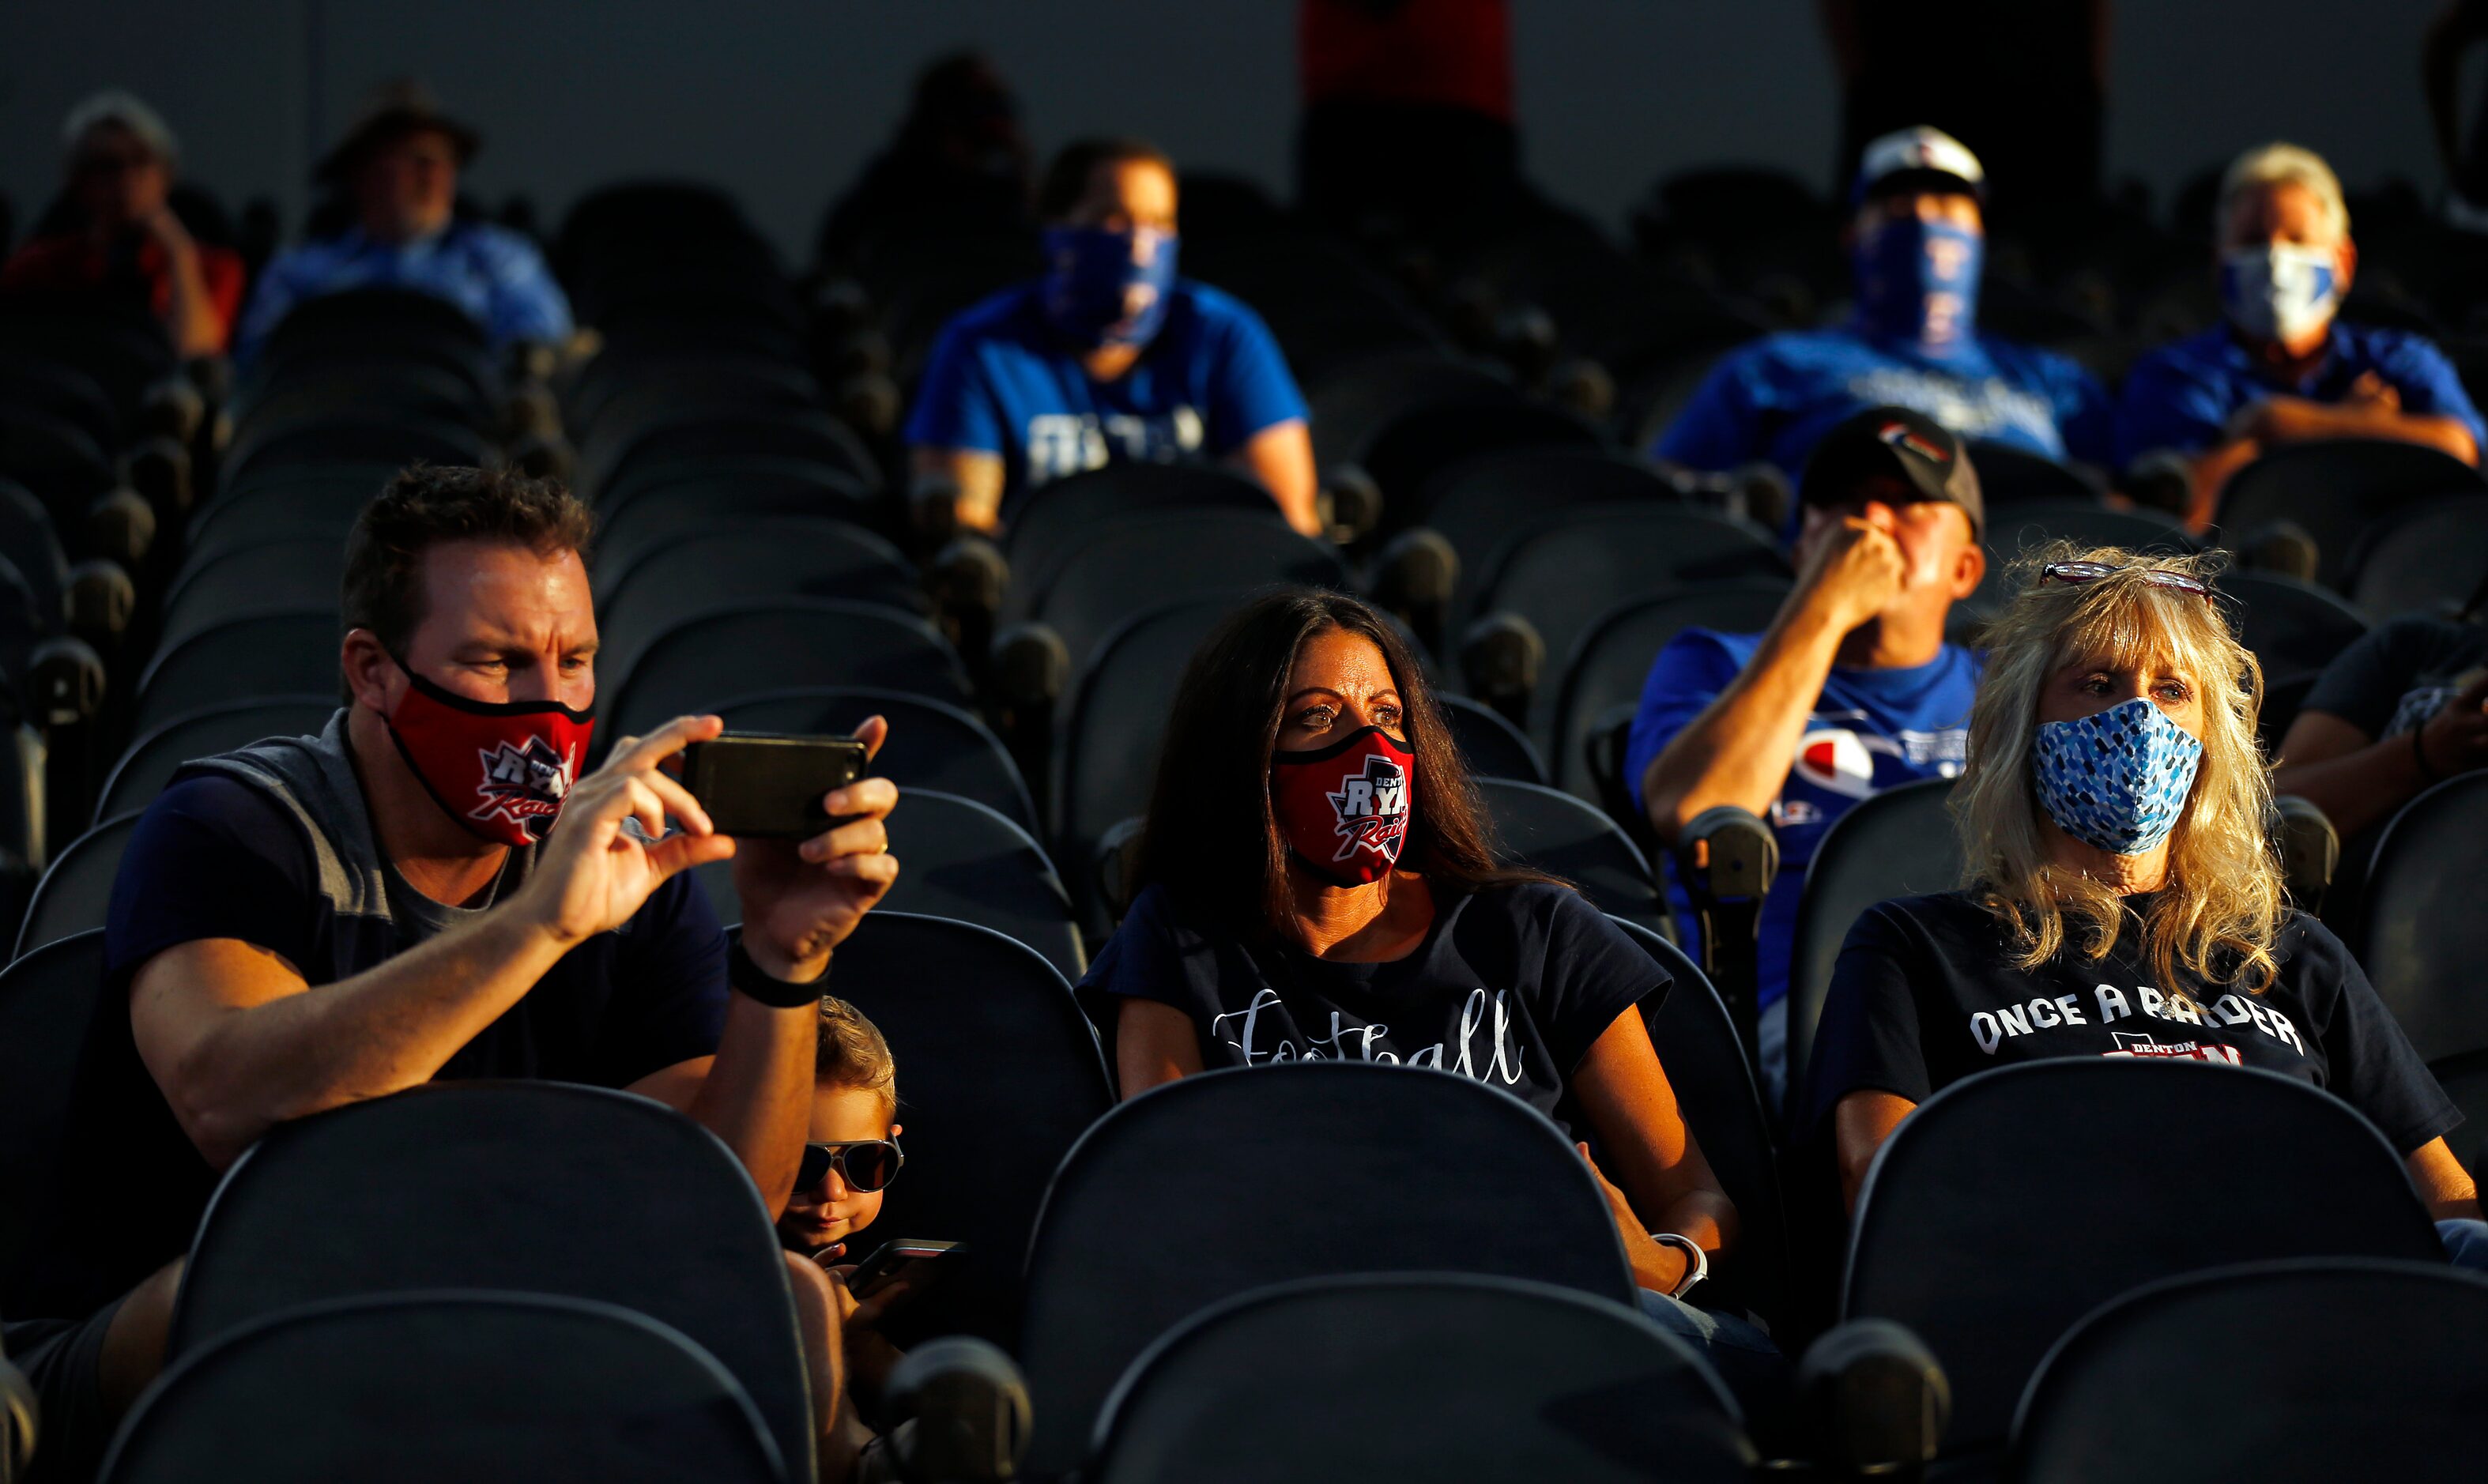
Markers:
<point>1316,882</point>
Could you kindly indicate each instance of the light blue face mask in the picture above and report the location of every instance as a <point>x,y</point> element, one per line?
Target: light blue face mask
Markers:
<point>2116,779</point>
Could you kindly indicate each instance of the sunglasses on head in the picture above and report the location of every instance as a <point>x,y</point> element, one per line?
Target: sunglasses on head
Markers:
<point>2078,573</point>
<point>865,1164</point>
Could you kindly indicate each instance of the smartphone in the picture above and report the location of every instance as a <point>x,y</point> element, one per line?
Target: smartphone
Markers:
<point>765,785</point>
<point>919,1260</point>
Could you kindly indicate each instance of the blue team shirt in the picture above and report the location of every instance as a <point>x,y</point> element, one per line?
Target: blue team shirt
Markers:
<point>1774,398</point>
<point>1003,381</point>
<point>1870,730</point>
<point>2181,396</point>
<point>492,273</point>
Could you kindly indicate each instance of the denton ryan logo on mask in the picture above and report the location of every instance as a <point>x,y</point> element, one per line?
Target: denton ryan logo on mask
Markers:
<point>523,784</point>
<point>1373,809</point>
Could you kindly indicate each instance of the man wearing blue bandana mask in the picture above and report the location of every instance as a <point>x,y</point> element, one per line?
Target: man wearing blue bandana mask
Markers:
<point>2284,368</point>
<point>1107,358</point>
<point>1917,246</point>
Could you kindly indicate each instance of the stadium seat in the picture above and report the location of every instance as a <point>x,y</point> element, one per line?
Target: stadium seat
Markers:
<point>493,1387</point>
<point>32,544</point>
<point>150,761</point>
<point>2301,1372</point>
<point>1129,566</point>
<point>1557,833</point>
<point>117,343</point>
<point>961,859</point>
<point>742,648</point>
<point>810,435</point>
<point>2431,556</point>
<point>288,501</point>
<point>1356,403</point>
<point>346,378</point>
<point>1898,843</point>
<point>76,894</point>
<point>2009,476</point>
<point>64,391</point>
<point>933,744</point>
<point>650,515</point>
<point>1422,442</point>
<point>1715,1084</point>
<point>358,436</point>
<point>251,656</point>
<point>2331,490</point>
<point>749,560</point>
<point>1062,514</point>
<point>2292,627</point>
<point>998,1074</point>
<point>381,1197</point>
<point>1989,1257</point>
<point>284,572</point>
<point>1454,1379</point>
<point>1484,504</point>
<point>1168,1205</point>
<point>53,457</point>
<point>1610,663</point>
<point>2030,524</point>
<point>2464,1079</point>
<point>1490,746</point>
<point>646,394</point>
<point>47,1002</point>
<point>2424,935</point>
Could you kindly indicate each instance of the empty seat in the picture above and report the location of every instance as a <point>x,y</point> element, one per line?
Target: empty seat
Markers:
<point>1556,833</point>
<point>2292,626</point>
<point>1483,503</point>
<point>1166,1206</point>
<point>360,437</point>
<point>998,1074</point>
<point>1063,512</point>
<point>2304,1372</point>
<point>76,894</point>
<point>780,557</point>
<point>2334,488</point>
<point>1356,403</point>
<point>1420,443</point>
<point>2424,935</point>
<point>499,1389</point>
<point>2009,475</point>
<point>286,572</point>
<point>933,744</point>
<point>810,435</point>
<point>47,1000</point>
<point>254,655</point>
<point>1989,1257</point>
<point>152,759</point>
<point>960,860</point>
<point>1108,752</point>
<point>1898,843</point>
<point>383,1197</point>
<point>2428,557</point>
<point>1490,746</point>
<point>1611,662</point>
<point>2029,524</point>
<point>741,648</point>
<point>32,544</point>
<point>1439,1377</point>
<point>637,518</point>
<point>1131,566</point>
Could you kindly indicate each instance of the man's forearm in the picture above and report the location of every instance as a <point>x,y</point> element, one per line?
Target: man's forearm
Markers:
<point>294,1054</point>
<point>1738,750</point>
<point>758,1094</point>
<point>2356,790</point>
<point>2296,420</point>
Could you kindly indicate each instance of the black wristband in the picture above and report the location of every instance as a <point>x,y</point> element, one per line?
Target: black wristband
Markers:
<point>2419,751</point>
<point>751,981</point>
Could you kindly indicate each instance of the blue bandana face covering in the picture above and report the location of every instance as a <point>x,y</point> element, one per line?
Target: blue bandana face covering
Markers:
<point>2283,291</point>
<point>1918,281</point>
<point>1101,290</point>
<point>2118,779</point>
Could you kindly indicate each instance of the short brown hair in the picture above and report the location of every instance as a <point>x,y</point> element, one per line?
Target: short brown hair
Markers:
<point>1066,179</point>
<point>852,1053</point>
<point>426,505</point>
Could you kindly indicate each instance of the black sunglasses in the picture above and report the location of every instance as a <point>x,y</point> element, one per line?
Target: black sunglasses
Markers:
<point>864,1164</point>
<point>2091,572</point>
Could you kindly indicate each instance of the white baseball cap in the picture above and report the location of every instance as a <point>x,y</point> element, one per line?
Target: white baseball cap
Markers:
<point>1920,152</point>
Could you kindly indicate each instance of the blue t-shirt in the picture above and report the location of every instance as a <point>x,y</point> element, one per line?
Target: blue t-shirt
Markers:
<point>1870,730</point>
<point>1001,380</point>
<point>1509,988</point>
<point>216,857</point>
<point>1774,398</point>
<point>2181,396</point>
<point>495,274</point>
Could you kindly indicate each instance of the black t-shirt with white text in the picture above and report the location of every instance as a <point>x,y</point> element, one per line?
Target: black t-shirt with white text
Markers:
<point>1510,986</point>
<point>1924,994</point>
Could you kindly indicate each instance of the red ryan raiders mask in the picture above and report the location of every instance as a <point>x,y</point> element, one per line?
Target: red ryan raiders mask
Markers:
<point>500,769</point>
<point>1345,807</point>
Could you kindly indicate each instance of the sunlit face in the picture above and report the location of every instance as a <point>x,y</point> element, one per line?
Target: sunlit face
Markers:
<point>115,178</point>
<point>1340,683</point>
<point>1129,195</point>
<point>1952,208</point>
<point>1941,560</point>
<point>2090,684</point>
<point>407,186</point>
<point>833,1211</point>
<point>501,622</point>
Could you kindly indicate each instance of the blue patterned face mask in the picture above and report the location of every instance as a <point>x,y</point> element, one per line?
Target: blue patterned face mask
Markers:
<point>2118,779</point>
<point>1108,288</point>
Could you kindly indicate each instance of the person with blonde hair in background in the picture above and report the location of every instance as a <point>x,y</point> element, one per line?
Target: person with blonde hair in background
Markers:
<point>2122,895</point>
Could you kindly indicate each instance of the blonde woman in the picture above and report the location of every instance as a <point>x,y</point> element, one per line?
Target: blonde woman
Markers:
<point>2122,898</point>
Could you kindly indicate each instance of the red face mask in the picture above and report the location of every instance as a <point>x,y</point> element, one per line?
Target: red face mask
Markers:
<point>500,769</point>
<point>1345,807</point>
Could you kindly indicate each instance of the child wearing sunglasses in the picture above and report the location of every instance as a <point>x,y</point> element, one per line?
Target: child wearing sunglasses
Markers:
<point>851,1150</point>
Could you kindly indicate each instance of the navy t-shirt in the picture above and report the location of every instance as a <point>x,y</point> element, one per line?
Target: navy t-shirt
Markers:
<point>1509,988</point>
<point>1870,730</point>
<point>2396,678</point>
<point>1772,400</point>
<point>216,857</point>
<point>2180,396</point>
<point>1925,993</point>
<point>1001,381</point>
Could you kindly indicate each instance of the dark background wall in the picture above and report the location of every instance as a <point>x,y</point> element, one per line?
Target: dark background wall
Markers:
<point>782,101</point>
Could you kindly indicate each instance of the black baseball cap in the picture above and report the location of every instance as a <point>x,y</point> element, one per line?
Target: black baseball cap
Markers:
<point>1893,443</point>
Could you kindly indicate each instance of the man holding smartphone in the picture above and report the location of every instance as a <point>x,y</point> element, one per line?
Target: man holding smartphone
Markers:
<point>430,890</point>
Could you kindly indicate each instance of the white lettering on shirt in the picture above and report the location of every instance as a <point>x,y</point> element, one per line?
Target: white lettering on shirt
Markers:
<point>1248,1032</point>
<point>2112,1004</point>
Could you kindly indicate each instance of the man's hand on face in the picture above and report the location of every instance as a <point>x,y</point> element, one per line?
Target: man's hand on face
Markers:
<point>591,875</point>
<point>2374,391</point>
<point>801,900</point>
<point>1853,572</point>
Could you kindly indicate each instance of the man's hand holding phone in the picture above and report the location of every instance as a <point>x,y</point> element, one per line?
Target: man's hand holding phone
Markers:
<point>592,874</point>
<point>801,898</point>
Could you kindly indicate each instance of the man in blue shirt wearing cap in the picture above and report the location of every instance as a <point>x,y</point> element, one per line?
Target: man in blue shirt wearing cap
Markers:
<point>1852,689</point>
<point>1917,246</point>
<point>1108,359</point>
<point>2284,369</point>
